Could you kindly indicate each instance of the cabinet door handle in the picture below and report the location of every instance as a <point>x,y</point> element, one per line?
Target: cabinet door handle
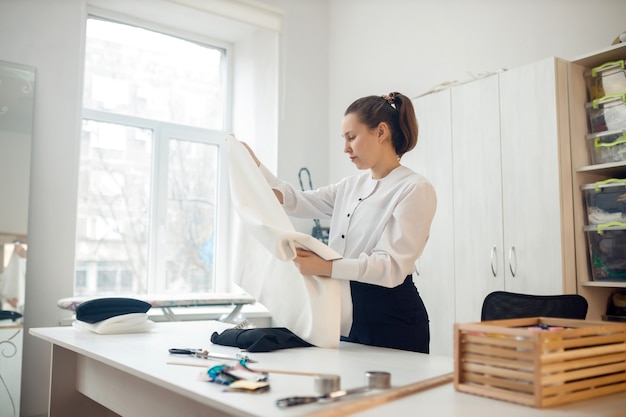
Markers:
<point>494,261</point>
<point>512,261</point>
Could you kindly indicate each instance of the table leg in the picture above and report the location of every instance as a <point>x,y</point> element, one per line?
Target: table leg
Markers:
<point>65,400</point>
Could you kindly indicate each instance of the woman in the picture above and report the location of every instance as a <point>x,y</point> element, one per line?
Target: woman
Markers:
<point>380,222</point>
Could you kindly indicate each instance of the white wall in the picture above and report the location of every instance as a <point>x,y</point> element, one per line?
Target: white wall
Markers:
<point>303,113</point>
<point>334,52</point>
<point>413,45</point>
<point>45,35</point>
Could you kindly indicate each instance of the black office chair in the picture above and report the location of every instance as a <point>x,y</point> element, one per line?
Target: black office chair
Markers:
<point>500,305</point>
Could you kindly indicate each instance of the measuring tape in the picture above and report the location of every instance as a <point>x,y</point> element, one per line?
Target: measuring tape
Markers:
<point>352,406</point>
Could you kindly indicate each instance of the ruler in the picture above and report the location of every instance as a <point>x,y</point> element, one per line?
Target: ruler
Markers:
<point>346,407</point>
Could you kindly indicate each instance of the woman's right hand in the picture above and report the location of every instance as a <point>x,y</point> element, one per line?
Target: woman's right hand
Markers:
<point>252,154</point>
<point>277,193</point>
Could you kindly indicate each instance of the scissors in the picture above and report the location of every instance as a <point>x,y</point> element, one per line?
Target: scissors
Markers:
<point>204,354</point>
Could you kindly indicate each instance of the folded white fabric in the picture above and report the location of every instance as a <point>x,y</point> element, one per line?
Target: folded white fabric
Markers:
<point>309,306</point>
<point>124,323</point>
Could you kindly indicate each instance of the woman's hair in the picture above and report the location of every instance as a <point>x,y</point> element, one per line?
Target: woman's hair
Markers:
<point>394,109</point>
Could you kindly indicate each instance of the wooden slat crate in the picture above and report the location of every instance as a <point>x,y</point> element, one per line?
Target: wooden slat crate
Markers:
<point>540,361</point>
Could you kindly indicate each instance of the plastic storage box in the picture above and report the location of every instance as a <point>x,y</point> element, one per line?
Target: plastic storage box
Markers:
<point>607,113</point>
<point>607,251</point>
<point>540,361</point>
<point>605,201</point>
<point>606,79</point>
<point>607,147</point>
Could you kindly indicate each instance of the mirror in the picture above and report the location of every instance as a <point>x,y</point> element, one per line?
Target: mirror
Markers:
<point>17,83</point>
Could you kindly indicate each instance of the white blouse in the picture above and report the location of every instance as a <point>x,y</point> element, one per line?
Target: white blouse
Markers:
<point>379,226</point>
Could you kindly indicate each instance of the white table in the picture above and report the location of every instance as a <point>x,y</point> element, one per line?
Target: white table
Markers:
<point>130,375</point>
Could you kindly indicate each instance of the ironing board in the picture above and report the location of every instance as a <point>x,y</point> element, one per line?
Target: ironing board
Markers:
<point>168,301</point>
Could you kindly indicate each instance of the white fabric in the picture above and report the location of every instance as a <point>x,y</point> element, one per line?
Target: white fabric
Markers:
<point>124,323</point>
<point>309,306</point>
<point>379,226</point>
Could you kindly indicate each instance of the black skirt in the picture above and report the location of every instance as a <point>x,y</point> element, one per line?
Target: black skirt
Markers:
<point>389,317</point>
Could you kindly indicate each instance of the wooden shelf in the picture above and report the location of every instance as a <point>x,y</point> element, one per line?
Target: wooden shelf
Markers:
<point>610,169</point>
<point>611,53</point>
<point>605,284</point>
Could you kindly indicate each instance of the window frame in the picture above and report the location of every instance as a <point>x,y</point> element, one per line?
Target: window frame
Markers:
<point>163,132</point>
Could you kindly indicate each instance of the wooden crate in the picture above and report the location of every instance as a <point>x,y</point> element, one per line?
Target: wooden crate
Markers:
<point>522,361</point>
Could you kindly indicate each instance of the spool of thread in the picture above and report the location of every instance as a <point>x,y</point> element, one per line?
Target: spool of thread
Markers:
<point>326,383</point>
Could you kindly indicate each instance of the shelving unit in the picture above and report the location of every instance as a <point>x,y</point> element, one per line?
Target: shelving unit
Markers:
<point>596,292</point>
<point>514,144</point>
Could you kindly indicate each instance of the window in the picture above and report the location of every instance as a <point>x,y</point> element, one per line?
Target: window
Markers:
<point>151,177</point>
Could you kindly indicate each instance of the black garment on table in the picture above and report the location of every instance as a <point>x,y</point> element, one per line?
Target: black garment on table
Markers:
<point>389,317</point>
<point>259,340</point>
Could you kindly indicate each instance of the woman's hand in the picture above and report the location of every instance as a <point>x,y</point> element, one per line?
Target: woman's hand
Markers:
<point>252,154</point>
<point>277,193</point>
<point>309,263</point>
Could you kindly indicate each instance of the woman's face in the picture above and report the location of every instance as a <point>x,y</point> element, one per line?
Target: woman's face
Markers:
<point>360,143</point>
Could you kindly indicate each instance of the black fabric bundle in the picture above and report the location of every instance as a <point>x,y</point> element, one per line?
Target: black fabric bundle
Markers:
<point>259,340</point>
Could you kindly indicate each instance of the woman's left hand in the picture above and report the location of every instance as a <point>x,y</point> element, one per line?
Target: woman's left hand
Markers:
<point>309,263</point>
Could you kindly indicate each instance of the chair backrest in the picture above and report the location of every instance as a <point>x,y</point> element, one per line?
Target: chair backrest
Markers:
<point>500,305</point>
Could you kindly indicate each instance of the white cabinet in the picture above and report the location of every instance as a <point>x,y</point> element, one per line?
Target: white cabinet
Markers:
<point>11,341</point>
<point>477,184</point>
<point>537,180</point>
<point>505,192</point>
<point>435,268</point>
